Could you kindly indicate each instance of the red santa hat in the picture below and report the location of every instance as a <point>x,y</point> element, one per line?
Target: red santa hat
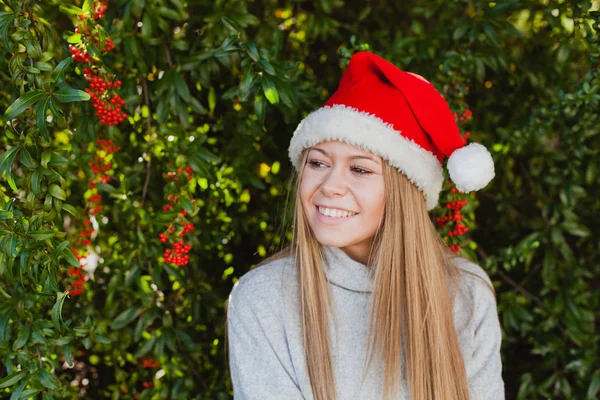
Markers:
<point>401,117</point>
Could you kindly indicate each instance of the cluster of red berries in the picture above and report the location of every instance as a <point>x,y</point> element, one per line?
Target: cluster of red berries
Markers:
<point>456,205</point>
<point>174,175</point>
<point>100,164</point>
<point>108,146</point>
<point>79,55</point>
<point>105,100</point>
<point>178,255</point>
<point>465,116</point>
<point>460,229</point>
<point>108,45</point>
<point>100,9</point>
<point>78,281</point>
<point>107,105</point>
<point>86,234</point>
<point>94,201</point>
<point>455,217</point>
<point>150,363</point>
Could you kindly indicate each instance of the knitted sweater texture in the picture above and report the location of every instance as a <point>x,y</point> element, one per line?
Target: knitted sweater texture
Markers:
<point>266,353</point>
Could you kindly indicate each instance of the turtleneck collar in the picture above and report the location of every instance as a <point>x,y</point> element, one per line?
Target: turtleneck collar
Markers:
<point>343,271</point>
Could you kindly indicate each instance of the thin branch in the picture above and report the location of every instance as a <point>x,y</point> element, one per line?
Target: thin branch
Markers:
<point>521,289</point>
<point>8,228</point>
<point>149,131</point>
<point>168,54</point>
<point>37,345</point>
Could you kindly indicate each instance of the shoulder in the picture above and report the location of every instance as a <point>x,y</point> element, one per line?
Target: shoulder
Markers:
<point>477,292</point>
<point>263,286</point>
<point>473,277</point>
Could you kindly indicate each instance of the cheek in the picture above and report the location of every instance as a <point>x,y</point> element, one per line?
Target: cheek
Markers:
<point>373,201</point>
<point>308,185</point>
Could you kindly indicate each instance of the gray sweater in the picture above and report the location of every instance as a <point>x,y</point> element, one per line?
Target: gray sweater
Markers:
<point>267,358</point>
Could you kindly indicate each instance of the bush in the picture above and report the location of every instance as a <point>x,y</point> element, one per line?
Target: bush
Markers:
<point>145,160</point>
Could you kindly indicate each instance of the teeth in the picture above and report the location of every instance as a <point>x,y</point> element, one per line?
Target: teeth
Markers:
<point>330,212</point>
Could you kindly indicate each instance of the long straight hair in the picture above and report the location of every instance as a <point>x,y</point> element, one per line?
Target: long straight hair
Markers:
<point>414,287</point>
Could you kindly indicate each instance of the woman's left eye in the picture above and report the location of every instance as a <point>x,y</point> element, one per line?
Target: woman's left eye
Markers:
<point>360,171</point>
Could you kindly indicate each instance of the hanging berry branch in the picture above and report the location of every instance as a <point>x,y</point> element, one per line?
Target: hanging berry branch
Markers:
<point>88,44</point>
<point>452,223</point>
<point>178,207</point>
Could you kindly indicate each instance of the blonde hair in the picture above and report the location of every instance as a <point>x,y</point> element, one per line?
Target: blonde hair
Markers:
<point>414,286</point>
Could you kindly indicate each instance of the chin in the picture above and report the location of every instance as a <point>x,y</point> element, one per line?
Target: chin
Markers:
<point>335,241</point>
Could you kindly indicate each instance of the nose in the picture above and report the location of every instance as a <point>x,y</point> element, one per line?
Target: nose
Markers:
<point>334,183</point>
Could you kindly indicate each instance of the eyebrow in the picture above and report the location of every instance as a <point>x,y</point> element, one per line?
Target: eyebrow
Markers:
<point>354,157</point>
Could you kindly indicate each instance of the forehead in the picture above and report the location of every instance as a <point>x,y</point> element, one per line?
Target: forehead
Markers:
<point>342,148</point>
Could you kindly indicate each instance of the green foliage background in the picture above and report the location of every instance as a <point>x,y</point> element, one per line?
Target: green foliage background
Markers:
<point>238,76</point>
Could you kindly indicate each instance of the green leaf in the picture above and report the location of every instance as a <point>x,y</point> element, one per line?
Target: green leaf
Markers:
<point>64,250</point>
<point>71,210</point>
<point>22,337</point>
<point>57,310</point>
<point>47,379</point>
<point>4,214</point>
<point>57,159</point>
<point>126,317</point>
<point>42,235</point>
<point>246,82</point>
<point>36,182</point>
<point>102,339</point>
<point>6,22</point>
<point>59,71</point>
<point>11,183</point>
<point>46,156</point>
<point>252,52</point>
<point>4,317</point>
<point>270,90</point>
<point>187,205</point>
<point>68,356</point>
<point>27,160</point>
<point>43,66</point>
<point>63,340</point>
<point>146,347</point>
<point>86,5</point>
<point>12,379</point>
<point>490,32</point>
<point>594,387</point>
<point>212,100</point>
<point>461,29</point>
<point>260,107</point>
<point>75,38</point>
<point>6,158</point>
<point>230,24</point>
<point>57,192</point>
<point>181,87</point>
<point>204,154</point>
<point>266,66</point>
<point>24,102</point>
<point>68,94</point>
<point>40,115</point>
<point>29,393</point>
<point>72,10</point>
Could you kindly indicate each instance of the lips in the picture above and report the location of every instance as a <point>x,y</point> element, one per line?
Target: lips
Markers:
<point>332,214</point>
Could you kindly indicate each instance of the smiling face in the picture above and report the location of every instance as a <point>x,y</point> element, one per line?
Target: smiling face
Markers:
<point>342,192</point>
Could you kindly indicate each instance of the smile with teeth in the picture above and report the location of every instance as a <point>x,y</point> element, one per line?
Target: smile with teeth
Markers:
<point>335,213</point>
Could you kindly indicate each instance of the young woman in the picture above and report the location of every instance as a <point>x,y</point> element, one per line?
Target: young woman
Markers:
<point>368,302</point>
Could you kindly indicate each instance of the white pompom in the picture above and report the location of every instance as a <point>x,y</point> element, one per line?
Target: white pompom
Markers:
<point>471,167</point>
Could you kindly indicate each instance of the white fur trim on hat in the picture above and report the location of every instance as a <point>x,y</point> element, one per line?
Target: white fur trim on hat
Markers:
<point>368,131</point>
<point>471,167</point>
